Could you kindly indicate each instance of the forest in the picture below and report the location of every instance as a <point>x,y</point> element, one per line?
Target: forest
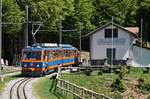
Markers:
<point>79,15</point>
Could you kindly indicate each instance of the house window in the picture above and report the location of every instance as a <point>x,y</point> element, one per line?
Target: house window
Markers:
<point>108,33</point>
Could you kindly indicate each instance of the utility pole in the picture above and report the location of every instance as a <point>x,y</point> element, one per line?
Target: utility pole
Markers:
<point>60,32</point>
<point>112,45</point>
<point>80,43</point>
<point>26,25</point>
<point>0,34</point>
<point>141,36</point>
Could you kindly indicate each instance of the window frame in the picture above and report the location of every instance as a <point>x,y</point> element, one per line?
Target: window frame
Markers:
<point>108,33</point>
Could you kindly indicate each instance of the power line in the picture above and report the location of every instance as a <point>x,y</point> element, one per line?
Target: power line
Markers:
<point>9,23</point>
<point>57,30</point>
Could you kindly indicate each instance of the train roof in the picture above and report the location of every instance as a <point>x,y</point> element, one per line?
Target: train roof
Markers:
<point>41,48</point>
<point>72,48</point>
<point>50,47</point>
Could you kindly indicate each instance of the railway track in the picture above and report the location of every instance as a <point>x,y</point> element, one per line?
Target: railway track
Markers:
<point>21,88</point>
<point>17,90</point>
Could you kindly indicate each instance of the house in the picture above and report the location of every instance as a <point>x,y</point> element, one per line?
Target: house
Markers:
<point>112,44</point>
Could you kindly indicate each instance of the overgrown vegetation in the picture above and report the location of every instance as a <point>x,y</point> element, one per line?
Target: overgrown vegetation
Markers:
<point>112,84</point>
<point>119,83</point>
<point>143,86</point>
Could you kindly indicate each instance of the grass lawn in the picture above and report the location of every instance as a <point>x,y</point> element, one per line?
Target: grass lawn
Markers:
<point>6,80</point>
<point>8,69</point>
<point>44,89</point>
<point>97,83</point>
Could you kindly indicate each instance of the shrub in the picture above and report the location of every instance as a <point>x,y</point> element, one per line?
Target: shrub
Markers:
<point>100,72</point>
<point>118,85</point>
<point>143,87</point>
<point>117,70</point>
<point>141,81</point>
<point>146,70</point>
<point>123,72</point>
<point>106,70</point>
<point>128,69</point>
<point>88,72</point>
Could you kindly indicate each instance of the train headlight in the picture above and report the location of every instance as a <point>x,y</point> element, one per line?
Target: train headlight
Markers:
<point>37,65</point>
<point>31,64</point>
<point>25,65</point>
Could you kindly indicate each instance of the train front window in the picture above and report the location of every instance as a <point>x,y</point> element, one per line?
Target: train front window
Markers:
<point>36,55</point>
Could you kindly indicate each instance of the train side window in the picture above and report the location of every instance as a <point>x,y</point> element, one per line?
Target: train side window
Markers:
<point>49,54</point>
<point>38,55</point>
<point>72,53</point>
<point>25,55</point>
<point>57,54</point>
<point>67,53</point>
<point>53,54</point>
<point>45,55</point>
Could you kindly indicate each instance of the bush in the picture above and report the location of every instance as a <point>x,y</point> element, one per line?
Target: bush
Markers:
<point>117,70</point>
<point>146,71</point>
<point>100,72</point>
<point>118,85</point>
<point>128,69</point>
<point>88,72</point>
<point>106,70</point>
<point>143,87</point>
<point>123,72</point>
<point>141,81</point>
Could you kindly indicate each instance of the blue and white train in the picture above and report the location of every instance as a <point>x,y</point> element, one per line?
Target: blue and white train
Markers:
<point>38,60</point>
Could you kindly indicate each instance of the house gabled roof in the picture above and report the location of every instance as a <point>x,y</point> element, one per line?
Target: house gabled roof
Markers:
<point>134,30</point>
<point>131,30</point>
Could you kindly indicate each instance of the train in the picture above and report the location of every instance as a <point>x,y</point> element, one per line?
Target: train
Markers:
<point>41,59</point>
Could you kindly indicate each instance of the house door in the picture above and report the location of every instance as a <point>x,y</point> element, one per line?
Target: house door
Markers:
<point>109,54</point>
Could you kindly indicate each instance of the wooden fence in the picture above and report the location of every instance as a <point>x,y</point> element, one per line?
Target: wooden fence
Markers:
<point>80,92</point>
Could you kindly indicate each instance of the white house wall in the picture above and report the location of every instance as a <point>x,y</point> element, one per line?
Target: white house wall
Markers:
<point>141,57</point>
<point>98,51</point>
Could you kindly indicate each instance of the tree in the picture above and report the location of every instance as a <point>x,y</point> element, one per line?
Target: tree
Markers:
<point>122,11</point>
<point>130,17</point>
<point>12,14</point>
<point>83,14</point>
<point>50,12</point>
<point>143,12</point>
